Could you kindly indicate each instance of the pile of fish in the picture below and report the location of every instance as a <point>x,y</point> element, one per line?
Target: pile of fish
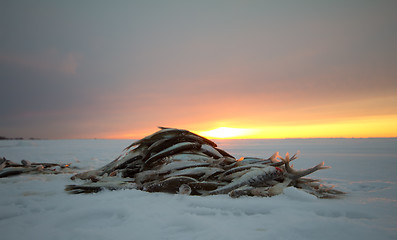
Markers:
<point>10,168</point>
<point>178,161</point>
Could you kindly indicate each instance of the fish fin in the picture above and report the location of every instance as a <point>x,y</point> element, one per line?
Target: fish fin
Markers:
<point>285,159</point>
<point>296,155</point>
<point>321,166</point>
<point>274,157</point>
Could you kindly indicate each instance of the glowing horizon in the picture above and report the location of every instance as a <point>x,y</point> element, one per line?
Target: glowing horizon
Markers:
<point>369,127</point>
<point>227,133</point>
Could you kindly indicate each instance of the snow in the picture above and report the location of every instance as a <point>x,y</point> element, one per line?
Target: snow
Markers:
<point>37,207</point>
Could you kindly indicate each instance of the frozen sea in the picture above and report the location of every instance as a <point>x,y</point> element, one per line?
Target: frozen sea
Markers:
<point>37,207</point>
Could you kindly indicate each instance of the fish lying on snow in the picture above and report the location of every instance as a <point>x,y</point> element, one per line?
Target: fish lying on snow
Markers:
<point>9,168</point>
<point>178,161</point>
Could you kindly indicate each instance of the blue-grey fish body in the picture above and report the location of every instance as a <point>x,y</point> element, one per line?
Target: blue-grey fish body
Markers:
<point>199,172</point>
<point>254,177</point>
<point>179,147</point>
<point>11,171</point>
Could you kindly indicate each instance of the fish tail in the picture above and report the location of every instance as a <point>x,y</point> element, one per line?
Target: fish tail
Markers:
<point>321,166</point>
<point>274,157</point>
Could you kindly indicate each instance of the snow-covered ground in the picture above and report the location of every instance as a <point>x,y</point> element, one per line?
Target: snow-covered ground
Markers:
<point>37,207</point>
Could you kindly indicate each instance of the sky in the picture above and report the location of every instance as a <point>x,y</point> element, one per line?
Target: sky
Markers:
<point>250,69</point>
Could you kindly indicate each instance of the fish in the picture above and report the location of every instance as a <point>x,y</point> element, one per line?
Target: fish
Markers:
<point>254,160</point>
<point>93,174</point>
<point>196,136</point>
<point>12,171</point>
<point>173,166</point>
<point>150,175</point>
<point>320,190</point>
<point>9,163</point>
<point>191,156</point>
<point>170,185</point>
<point>202,187</point>
<point>266,191</point>
<point>251,178</point>
<point>279,187</point>
<point>242,191</point>
<point>199,172</point>
<point>178,161</point>
<point>224,153</point>
<point>241,169</point>
<point>232,176</point>
<point>122,161</point>
<point>210,151</point>
<point>26,163</point>
<point>94,187</point>
<point>179,147</point>
<point>295,174</point>
<point>168,142</point>
<point>161,134</point>
<point>165,133</point>
<point>3,163</point>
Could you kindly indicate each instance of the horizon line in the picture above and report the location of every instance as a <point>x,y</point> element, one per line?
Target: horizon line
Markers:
<point>99,138</point>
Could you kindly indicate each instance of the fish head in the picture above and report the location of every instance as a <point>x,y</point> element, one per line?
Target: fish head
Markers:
<point>279,171</point>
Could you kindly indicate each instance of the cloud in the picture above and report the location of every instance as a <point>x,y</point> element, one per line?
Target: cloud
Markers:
<point>193,66</point>
<point>51,60</point>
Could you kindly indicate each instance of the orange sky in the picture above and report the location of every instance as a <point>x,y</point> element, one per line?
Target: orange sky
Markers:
<point>365,127</point>
<point>294,69</point>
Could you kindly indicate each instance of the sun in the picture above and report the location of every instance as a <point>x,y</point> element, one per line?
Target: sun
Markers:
<point>226,132</point>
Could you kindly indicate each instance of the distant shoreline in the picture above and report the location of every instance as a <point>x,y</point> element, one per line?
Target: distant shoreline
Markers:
<point>18,138</point>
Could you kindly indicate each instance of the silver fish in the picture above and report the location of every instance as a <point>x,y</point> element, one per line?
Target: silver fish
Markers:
<point>11,171</point>
<point>295,174</point>
<point>253,160</point>
<point>176,166</point>
<point>232,176</point>
<point>241,168</point>
<point>165,133</point>
<point>189,157</point>
<point>203,187</point>
<point>210,151</point>
<point>170,185</point>
<point>173,166</point>
<point>123,160</point>
<point>199,172</point>
<point>251,178</point>
<point>179,147</point>
<point>168,142</point>
<point>148,140</point>
<point>93,187</point>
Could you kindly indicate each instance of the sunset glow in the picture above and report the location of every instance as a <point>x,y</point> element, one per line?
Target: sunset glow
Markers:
<point>226,132</point>
<point>384,126</point>
<point>231,69</point>
<point>366,127</point>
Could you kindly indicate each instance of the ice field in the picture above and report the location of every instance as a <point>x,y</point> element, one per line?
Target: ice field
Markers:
<point>37,207</point>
